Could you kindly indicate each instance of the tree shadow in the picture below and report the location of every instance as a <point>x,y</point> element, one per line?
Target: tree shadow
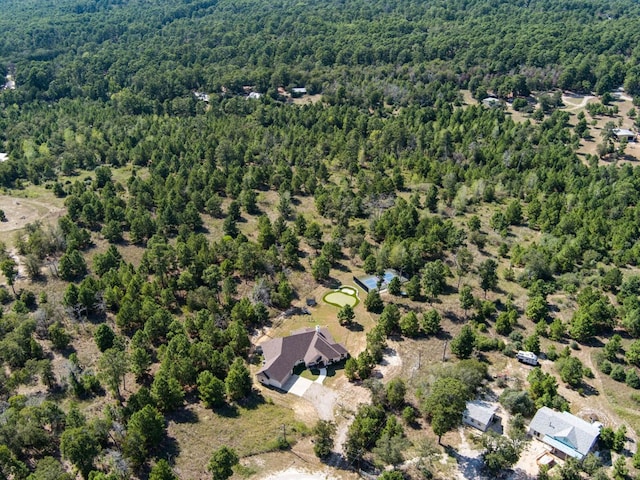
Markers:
<point>66,353</point>
<point>443,335</point>
<point>341,267</point>
<point>354,327</point>
<point>589,390</point>
<point>170,449</point>
<point>227,411</point>
<point>253,401</point>
<point>454,317</point>
<point>331,283</point>
<point>520,474</point>
<point>183,416</point>
<point>593,342</point>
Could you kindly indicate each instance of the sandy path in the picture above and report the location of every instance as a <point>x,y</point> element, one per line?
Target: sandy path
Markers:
<point>297,474</point>
<point>468,458</point>
<point>569,101</point>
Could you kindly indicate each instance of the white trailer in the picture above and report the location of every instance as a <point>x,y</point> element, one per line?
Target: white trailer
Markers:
<point>529,358</point>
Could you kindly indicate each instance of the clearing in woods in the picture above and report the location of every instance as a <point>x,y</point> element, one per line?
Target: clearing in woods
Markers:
<point>22,211</point>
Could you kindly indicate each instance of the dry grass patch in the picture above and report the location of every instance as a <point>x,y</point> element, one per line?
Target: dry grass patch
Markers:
<point>197,432</point>
<point>307,99</point>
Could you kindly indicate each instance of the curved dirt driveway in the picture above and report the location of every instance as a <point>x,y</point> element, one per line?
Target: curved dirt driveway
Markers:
<point>570,106</point>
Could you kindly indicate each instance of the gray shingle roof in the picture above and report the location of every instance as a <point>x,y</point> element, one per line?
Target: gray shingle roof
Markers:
<point>308,345</point>
<point>565,431</point>
<point>481,411</point>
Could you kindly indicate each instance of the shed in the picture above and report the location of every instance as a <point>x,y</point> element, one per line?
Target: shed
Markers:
<point>624,134</point>
<point>479,414</point>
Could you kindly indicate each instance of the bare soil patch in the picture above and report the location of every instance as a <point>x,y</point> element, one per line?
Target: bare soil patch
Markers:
<point>297,474</point>
<point>21,211</point>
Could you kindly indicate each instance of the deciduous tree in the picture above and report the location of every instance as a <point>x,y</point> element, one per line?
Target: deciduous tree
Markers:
<point>445,404</point>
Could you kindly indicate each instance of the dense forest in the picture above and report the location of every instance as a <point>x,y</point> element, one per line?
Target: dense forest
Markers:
<point>229,207</point>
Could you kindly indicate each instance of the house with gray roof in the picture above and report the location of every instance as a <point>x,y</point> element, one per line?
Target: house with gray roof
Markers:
<point>624,134</point>
<point>311,347</point>
<point>566,434</point>
<point>492,102</point>
<point>479,414</point>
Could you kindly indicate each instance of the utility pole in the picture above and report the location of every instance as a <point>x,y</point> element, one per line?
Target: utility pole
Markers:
<point>444,351</point>
<point>284,432</point>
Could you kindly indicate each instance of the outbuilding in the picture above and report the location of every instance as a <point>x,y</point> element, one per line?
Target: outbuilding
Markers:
<point>624,134</point>
<point>479,414</point>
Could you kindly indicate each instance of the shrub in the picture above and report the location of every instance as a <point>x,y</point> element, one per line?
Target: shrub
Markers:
<point>571,370</point>
<point>632,378</point>
<point>487,344</point>
<point>517,401</point>
<point>618,374</point>
<point>5,296</point>
<point>509,350</point>
<point>409,415</point>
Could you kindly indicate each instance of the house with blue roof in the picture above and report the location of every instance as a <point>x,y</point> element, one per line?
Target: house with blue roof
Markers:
<point>566,434</point>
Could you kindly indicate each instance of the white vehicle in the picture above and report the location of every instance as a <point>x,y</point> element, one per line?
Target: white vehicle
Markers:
<point>529,358</point>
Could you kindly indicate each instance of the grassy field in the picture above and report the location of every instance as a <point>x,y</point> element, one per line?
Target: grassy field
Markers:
<point>196,432</point>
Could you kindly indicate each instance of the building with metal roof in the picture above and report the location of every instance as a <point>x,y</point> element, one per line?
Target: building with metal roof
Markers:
<point>566,434</point>
<point>479,414</point>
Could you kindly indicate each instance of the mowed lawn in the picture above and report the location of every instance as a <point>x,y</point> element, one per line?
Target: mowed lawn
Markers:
<point>340,299</point>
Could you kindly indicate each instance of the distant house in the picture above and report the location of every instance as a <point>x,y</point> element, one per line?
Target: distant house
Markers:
<point>255,95</point>
<point>624,134</point>
<point>492,102</point>
<point>566,434</point>
<point>4,157</point>
<point>298,91</point>
<point>311,347</point>
<point>479,414</point>
<point>201,96</point>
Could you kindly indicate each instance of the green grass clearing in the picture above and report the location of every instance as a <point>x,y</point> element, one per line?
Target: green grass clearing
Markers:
<point>340,299</point>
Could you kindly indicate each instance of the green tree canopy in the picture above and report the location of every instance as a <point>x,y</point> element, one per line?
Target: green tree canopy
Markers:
<point>444,405</point>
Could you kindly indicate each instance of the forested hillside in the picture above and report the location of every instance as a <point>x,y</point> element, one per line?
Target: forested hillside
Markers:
<point>186,217</point>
